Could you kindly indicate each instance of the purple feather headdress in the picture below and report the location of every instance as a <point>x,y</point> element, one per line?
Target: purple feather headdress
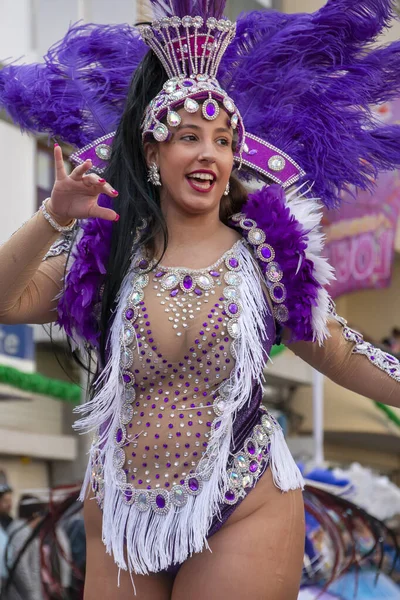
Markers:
<point>303,83</point>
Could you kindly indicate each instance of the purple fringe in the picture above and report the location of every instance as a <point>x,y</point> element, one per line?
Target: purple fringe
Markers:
<point>82,296</point>
<point>289,240</point>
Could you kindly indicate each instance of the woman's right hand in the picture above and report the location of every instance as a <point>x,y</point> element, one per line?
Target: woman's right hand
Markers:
<point>75,196</point>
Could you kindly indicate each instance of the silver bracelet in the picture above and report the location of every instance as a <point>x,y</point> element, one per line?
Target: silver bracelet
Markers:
<point>53,223</point>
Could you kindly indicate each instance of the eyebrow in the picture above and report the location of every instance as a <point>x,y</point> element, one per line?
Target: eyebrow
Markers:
<point>197,127</point>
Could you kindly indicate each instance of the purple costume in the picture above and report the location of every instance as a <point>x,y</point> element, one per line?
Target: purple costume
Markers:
<point>180,434</point>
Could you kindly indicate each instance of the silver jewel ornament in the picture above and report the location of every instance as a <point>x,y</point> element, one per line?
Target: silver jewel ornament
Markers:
<point>103,151</point>
<point>160,132</point>
<point>277,163</point>
<point>154,175</point>
<point>191,106</point>
<point>210,109</point>
<point>227,189</point>
<point>173,118</point>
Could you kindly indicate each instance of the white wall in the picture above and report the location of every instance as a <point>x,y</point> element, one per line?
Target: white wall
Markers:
<point>17,176</point>
<point>15,28</point>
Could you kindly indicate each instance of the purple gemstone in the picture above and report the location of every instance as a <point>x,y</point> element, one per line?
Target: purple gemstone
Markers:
<point>120,435</point>
<point>129,314</point>
<point>233,308</point>
<point>234,263</point>
<point>174,293</point>
<point>251,448</point>
<point>159,274</point>
<point>160,501</point>
<point>278,292</point>
<point>248,224</point>
<point>144,263</point>
<point>253,152</point>
<point>217,425</point>
<point>193,484</point>
<point>214,273</point>
<point>230,496</point>
<point>128,495</point>
<point>198,292</point>
<point>127,378</point>
<point>391,358</point>
<point>187,282</point>
<point>210,109</point>
<point>266,253</point>
<point>253,466</point>
<point>187,83</point>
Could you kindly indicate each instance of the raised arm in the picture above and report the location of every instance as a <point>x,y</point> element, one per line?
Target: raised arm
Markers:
<point>29,285</point>
<point>352,363</point>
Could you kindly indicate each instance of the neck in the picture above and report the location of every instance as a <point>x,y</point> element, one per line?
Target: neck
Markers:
<point>194,240</point>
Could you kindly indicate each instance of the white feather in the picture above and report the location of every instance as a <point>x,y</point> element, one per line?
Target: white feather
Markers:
<point>308,212</point>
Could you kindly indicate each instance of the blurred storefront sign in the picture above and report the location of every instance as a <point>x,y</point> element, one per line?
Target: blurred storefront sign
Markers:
<point>17,347</point>
<point>360,237</point>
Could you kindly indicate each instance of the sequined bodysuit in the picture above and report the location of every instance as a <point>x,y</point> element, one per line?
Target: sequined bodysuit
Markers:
<point>180,355</point>
<point>177,350</point>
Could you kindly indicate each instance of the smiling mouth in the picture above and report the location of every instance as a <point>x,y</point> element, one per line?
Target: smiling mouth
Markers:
<point>202,182</point>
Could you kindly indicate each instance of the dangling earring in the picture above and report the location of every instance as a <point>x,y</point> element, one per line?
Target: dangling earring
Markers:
<point>154,175</point>
<point>227,189</point>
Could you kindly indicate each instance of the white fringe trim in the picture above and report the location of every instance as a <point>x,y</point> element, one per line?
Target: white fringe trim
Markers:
<point>285,473</point>
<point>308,212</point>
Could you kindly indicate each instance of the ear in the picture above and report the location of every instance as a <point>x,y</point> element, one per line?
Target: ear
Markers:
<point>151,150</point>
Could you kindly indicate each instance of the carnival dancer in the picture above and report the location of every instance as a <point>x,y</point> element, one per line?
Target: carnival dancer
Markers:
<point>180,280</point>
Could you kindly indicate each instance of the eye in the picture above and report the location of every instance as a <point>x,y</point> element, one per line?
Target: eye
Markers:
<point>189,137</point>
<point>223,142</point>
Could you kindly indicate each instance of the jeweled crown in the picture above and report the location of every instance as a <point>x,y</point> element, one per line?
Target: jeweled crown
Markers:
<point>189,46</point>
<point>190,50</point>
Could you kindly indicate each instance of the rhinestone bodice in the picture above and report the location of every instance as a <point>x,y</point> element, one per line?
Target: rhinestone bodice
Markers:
<point>176,350</point>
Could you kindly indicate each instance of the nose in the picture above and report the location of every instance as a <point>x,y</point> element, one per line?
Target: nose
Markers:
<point>207,153</point>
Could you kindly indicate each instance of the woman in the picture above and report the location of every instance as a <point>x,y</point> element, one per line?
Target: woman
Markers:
<point>181,300</point>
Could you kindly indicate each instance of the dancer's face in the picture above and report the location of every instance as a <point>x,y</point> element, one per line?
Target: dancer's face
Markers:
<point>195,164</point>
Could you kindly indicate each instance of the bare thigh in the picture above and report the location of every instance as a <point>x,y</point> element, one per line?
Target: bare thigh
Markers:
<point>256,555</point>
<point>101,580</point>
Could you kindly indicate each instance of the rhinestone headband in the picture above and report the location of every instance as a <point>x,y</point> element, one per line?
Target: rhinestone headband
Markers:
<point>190,52</point>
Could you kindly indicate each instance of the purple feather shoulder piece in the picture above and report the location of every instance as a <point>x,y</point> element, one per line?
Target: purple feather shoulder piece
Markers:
<point>285,234</point>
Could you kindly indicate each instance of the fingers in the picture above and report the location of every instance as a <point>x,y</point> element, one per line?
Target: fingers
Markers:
<point>81,170</point>
<point>59,163</point>
<point>99,185</point>
<point>99,212</point>
<point>91,179</point>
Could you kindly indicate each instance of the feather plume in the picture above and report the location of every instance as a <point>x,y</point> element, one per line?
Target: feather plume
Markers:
<point>305,83</point>
<point>79,92</point>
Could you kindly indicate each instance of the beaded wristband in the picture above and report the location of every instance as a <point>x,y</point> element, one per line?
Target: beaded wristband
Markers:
<point>53,223</point>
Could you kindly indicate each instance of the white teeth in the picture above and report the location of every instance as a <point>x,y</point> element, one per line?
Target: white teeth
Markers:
<point>205,176</point>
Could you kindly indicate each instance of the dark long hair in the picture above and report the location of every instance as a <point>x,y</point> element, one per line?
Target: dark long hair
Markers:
<point>138,200</point>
